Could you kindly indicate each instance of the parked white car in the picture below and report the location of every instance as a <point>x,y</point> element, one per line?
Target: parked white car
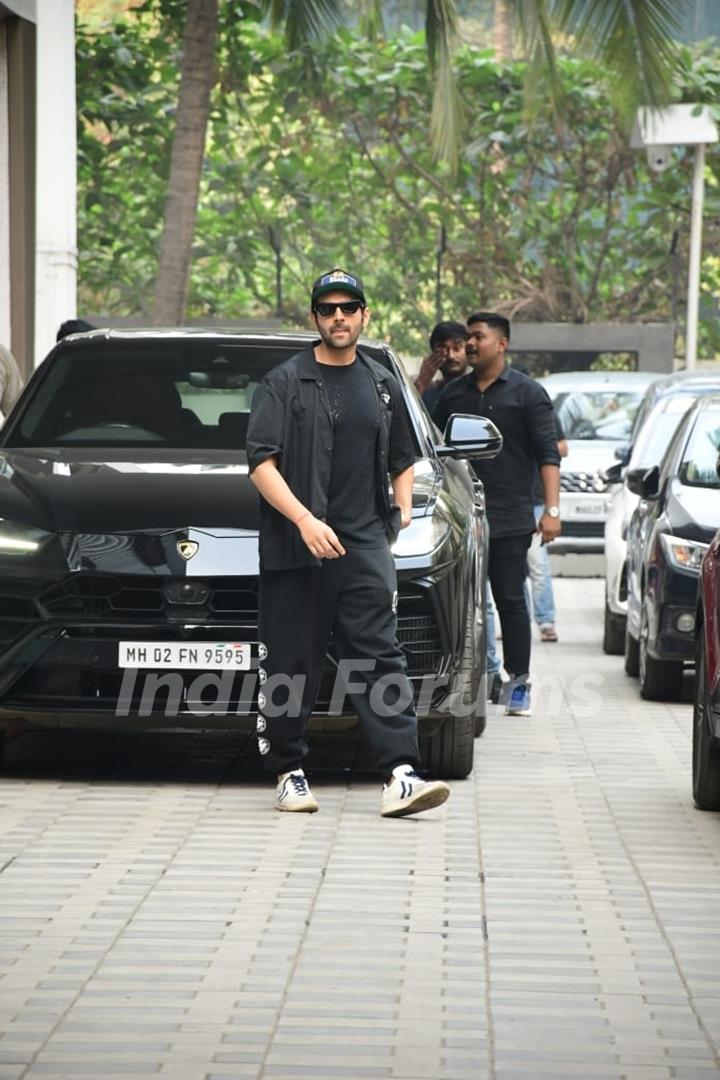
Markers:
<point>596,410</point>
<point>664,406</point>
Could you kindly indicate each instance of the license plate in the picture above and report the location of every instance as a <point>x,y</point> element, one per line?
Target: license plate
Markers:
<point>582,509</point>
<point>178,655</point>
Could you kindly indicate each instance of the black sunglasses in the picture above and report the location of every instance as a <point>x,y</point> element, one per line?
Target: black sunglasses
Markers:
<point>348,307</point>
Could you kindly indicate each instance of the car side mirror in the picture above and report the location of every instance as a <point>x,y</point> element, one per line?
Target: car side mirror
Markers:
<point>470,437</point>
<point>613,473</point>
<point>622,453</point>
<point>644,482</point>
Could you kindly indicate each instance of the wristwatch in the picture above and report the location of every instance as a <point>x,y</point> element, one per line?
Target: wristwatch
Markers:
<point>552,511</point>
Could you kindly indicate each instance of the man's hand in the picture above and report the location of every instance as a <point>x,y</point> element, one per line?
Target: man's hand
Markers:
<point>549,528</point>
<point>319,538</point>
<point>405,517</point>
<point>430,367</point>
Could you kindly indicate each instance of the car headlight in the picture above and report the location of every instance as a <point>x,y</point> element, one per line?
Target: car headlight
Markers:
<point>422,537</point>
<point>17,539</point>
<point>683,554</point>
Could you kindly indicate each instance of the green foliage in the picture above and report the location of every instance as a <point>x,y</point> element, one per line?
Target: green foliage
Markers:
<point>548,221</point>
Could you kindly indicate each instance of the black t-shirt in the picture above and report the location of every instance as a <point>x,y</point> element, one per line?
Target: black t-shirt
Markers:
<point>524,413</point>
<point>352,509</point>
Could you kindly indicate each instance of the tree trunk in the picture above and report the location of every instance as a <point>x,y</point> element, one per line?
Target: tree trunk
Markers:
<point>198,76</point>
<point>502,31</point>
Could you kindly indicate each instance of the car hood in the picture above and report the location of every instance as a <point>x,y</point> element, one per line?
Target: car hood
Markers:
<point>126,491</point>
<point>121,491</point>
<point>589,455</point>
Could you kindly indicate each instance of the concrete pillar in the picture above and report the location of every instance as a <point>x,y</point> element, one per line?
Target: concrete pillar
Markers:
<point>56,235</point>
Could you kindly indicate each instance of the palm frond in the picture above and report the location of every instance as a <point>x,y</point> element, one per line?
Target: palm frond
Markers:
<point>302,20</point>
<point>441,27</point>
<point>371,19</point>
<point>441,24</point>
<point>542,79</point>
<point>635,38</point>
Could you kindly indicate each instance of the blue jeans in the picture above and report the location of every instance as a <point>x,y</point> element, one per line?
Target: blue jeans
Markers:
<point>540,581</point>
<point>493,660</point>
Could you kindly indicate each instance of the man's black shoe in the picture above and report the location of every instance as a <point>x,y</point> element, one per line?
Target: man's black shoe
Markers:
<point>495,688</point>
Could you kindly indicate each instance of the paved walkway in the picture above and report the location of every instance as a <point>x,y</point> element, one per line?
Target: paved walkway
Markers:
<point>559,918</point>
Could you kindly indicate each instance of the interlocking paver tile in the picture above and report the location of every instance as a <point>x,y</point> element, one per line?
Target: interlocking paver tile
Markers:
<point>558,918</point>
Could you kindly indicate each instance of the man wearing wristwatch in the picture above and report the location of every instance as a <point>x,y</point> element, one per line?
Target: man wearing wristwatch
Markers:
<point>523,412</point>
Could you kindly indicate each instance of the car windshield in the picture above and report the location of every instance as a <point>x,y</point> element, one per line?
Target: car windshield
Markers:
<point>700,460</point>
<point>190,393</point>
<point>597,414</point>
<point>658,430</point>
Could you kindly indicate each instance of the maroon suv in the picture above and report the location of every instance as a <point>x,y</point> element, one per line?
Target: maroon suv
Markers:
<point>706,714</point>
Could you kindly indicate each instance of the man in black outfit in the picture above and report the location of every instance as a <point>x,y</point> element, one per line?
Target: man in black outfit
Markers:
<point>447,356</point>
<point>327,428</point>
<point>523,412</point>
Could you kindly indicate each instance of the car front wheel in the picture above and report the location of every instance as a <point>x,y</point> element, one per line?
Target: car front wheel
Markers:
<point>631,654</point>
<point>613,632</point>
<point>449,753</point>
<point>660,680</point>
<point>706,753</point>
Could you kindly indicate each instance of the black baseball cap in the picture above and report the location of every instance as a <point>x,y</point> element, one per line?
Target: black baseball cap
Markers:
<point>337,280</point>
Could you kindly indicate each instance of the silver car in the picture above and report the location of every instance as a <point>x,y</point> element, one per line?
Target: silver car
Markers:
<point>596,410</point>
<point>665,403</point>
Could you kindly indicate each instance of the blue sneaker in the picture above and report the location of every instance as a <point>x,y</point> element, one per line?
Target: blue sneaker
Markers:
<point>517,700</point>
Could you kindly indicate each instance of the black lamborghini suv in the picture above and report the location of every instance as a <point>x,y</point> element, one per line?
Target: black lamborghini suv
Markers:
<point>128,546</point>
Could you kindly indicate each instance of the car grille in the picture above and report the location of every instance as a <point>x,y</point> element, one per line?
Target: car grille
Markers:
<point>418,633</point>
<point>589,483</point>
<point>17,614</point>
<point>85,597</point>
<point>90,596</point>
<point>583,528</point>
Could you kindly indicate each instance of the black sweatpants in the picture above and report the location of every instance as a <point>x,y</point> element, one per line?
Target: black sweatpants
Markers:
<point>354,598</point>
<point>507,570</point>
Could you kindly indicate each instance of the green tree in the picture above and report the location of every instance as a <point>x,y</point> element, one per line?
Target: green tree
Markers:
<point>633,37</point>
<point>546,221</point>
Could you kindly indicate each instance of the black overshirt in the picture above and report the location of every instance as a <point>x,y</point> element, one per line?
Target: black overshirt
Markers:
<point>290,420</point>
<point>524,413</point>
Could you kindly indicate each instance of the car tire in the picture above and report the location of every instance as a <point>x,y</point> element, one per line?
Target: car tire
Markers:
<point>613,632</point>
<point>705,752</point>
<point>481,716</point>
<point>660,680</point>
<point>632,657</point>
<point>478,674</point>
<point>449,753</point>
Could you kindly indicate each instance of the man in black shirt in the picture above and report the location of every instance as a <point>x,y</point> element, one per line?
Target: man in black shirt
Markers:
<point>524,414</point>
<point>326,430</point>
<point>447,356</point>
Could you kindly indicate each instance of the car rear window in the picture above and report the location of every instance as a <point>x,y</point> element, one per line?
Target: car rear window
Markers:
<point>597,414</point>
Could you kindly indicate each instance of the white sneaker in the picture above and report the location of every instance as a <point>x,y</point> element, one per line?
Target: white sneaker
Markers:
<point>408,793</point>
<point>517,699</point>
<point>293,793</point>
